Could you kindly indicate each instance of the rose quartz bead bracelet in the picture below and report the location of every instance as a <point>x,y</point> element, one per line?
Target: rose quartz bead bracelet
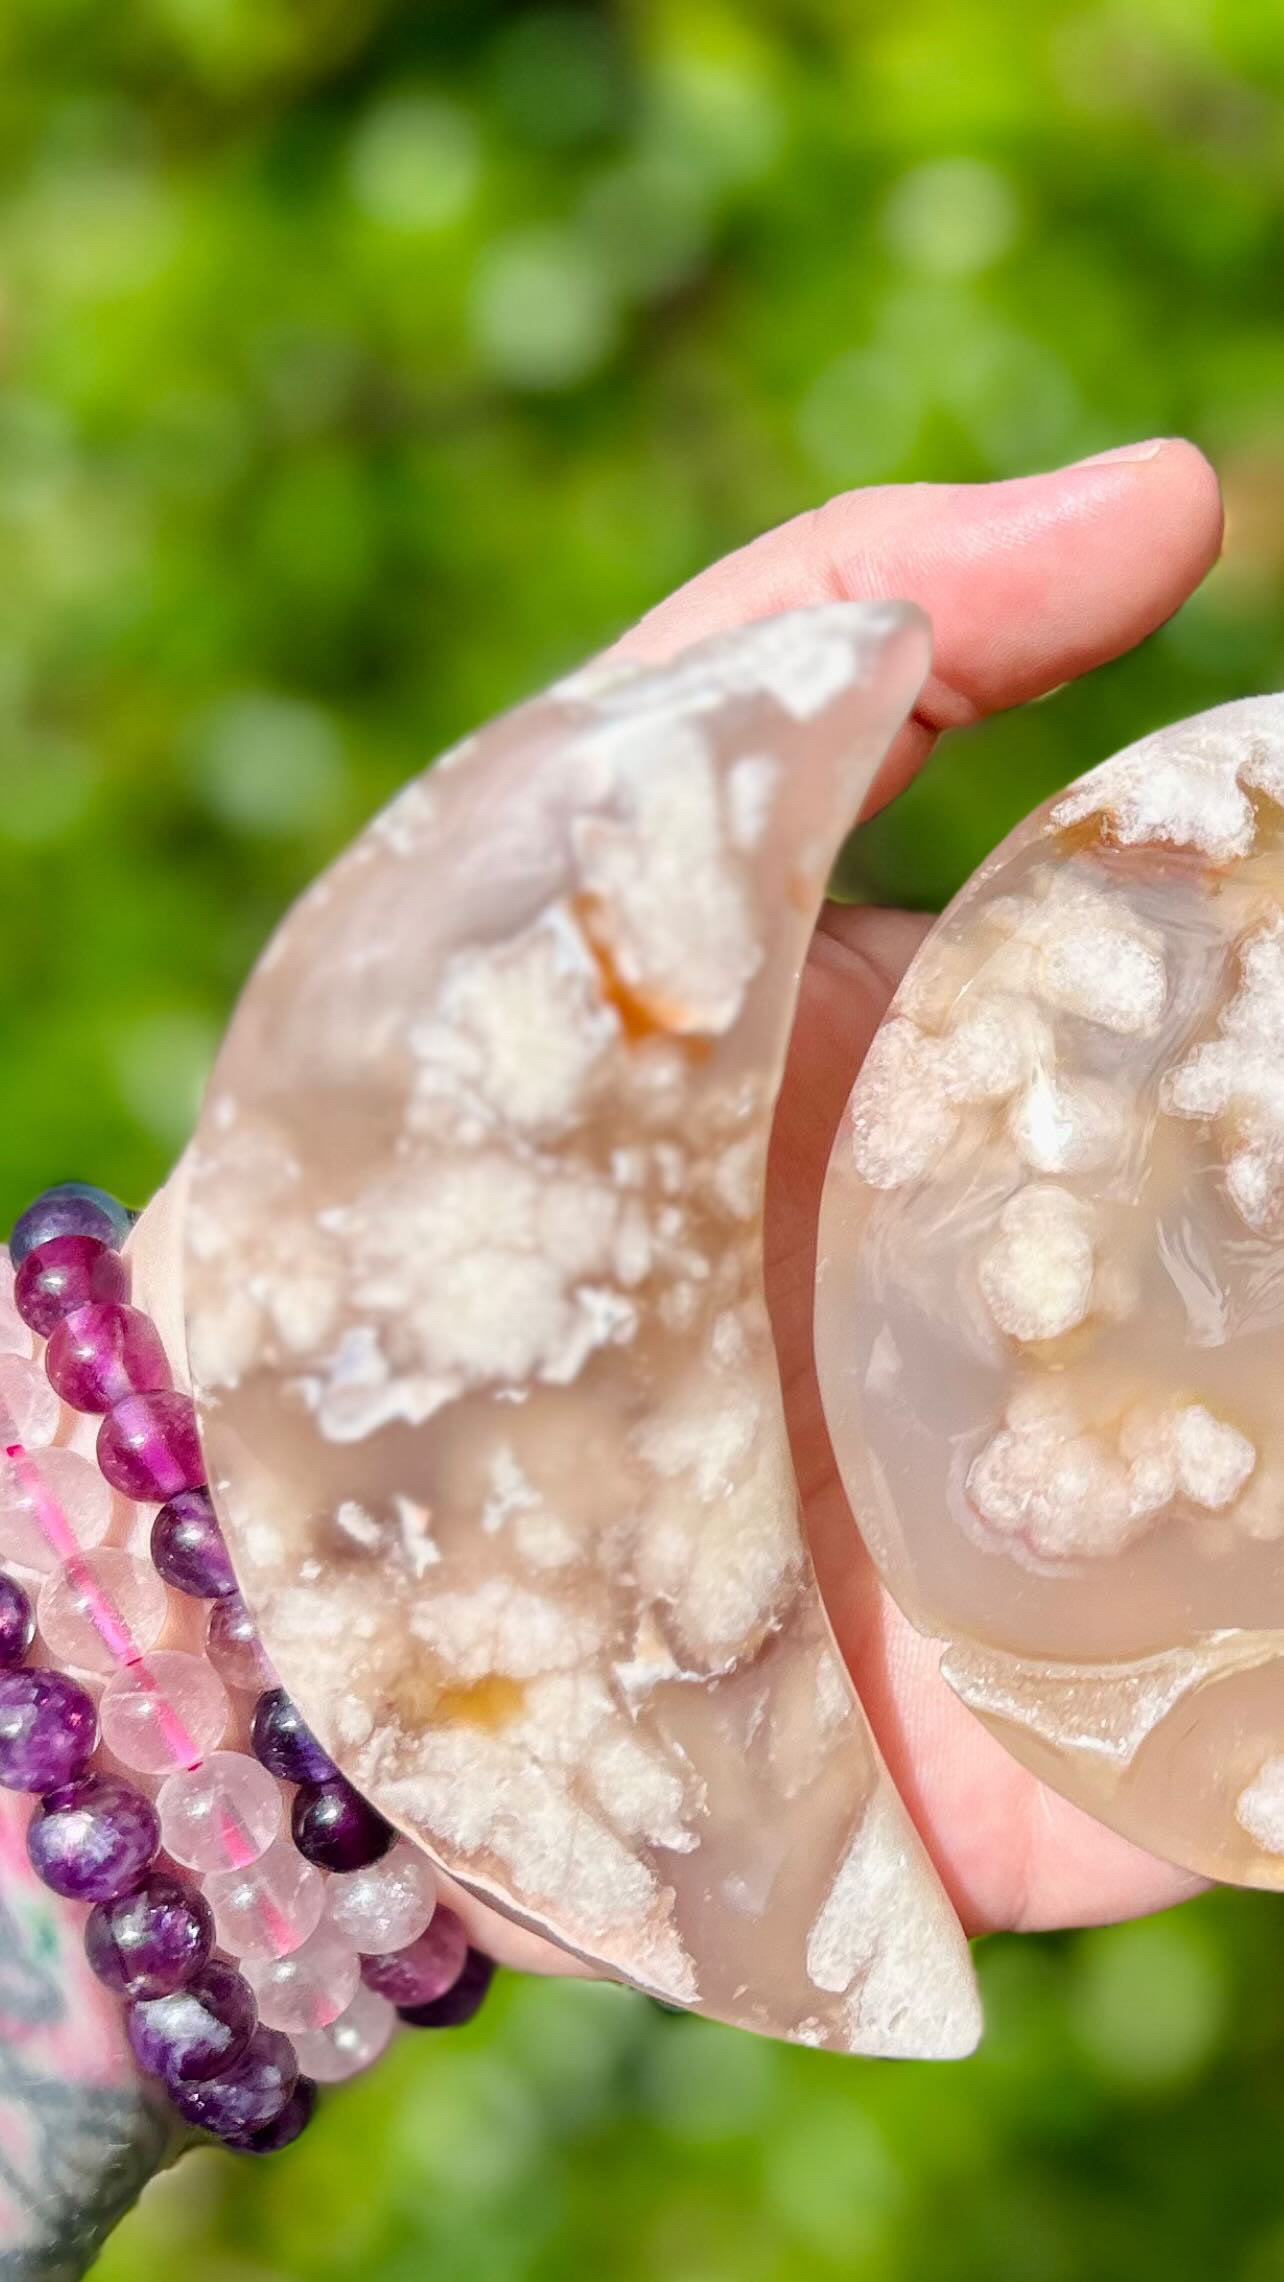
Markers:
<point>264,1926</point>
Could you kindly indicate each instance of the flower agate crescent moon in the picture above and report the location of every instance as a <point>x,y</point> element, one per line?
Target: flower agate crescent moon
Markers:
<point>477,1331</point>
<point>1050,1304</point>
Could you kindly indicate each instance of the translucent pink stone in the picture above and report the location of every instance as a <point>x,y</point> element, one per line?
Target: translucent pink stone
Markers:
<point>221,1815</point>
<point>1047,1326</point>
<point>101,1610</point>
<point>52,1503</point>
<point>387,1904</point>
<point>561,1447</point>
<point>29,1409</point>
<point>309,1988</point>
<point>233,1646</point>
<point>269,1907</point>
<point>104,1351</point>
<point>350,2044</point>
<point>169,1711</point>
<point>15,1336</point>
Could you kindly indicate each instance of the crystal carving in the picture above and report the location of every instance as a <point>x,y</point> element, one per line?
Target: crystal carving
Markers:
<point>1051,1288</point>
<point>480,1351</point>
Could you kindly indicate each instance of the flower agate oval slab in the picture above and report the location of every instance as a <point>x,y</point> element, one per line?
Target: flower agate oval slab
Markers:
<point>476,1325</point>
<point>1050,1306</point>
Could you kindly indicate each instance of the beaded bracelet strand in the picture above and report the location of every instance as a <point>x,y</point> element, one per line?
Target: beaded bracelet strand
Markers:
<point>336,1926</point>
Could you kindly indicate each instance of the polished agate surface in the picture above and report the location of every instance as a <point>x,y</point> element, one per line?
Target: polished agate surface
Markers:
<point>477,1332</point>
<point>1050,1299</point>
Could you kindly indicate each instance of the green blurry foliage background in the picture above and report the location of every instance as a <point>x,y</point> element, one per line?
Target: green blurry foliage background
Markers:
<point>363,364</point>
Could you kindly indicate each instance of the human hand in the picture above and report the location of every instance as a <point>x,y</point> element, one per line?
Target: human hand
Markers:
<point>1027,584</point>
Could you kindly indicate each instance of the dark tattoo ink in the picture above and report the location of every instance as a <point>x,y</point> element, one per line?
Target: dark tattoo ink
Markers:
<point>74,2152</point>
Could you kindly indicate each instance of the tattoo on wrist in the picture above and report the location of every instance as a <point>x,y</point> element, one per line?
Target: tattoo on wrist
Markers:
<point>78,2134</point>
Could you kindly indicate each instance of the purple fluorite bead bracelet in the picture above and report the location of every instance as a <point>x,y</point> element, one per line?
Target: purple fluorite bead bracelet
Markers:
<point>252,1959</point>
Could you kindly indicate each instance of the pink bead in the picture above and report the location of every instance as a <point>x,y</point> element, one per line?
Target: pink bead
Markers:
<point>388,1904</point>
<point>15,1335</point>
<point>353,2042</point>
<point>62,1275</point>
<point>268,1908</point>
<point>309,1988</point>
<point>101,1610</point>
<point>148,1446</point>
<point>104,1351</point>
<point>169,1711</point>
<point>30,1412</point>
<point>233,1646</point>
<point>221,1815</point>
<point>52,1504</point>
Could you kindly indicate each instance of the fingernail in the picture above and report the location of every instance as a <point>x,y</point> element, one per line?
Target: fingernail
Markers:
<point>1148,451</point>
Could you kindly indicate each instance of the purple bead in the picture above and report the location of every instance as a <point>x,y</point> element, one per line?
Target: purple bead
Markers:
<point>148,1447</point>
<point>195,2032</point>
<point>294,2118</point>
<point>283,1745</point>
<point>336,1828</point>
<point>48,1729</point>
<point>188,1548</point>
<point>248,2096</point>
<point>65,1273</point>
<point>460,2002</point>
<point>101,1353</point>
<point>73,1208</point>
<point>92,1841</point>
<point>425,1969</point>
<point>17,1623</point>
<point>153,1941</point>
